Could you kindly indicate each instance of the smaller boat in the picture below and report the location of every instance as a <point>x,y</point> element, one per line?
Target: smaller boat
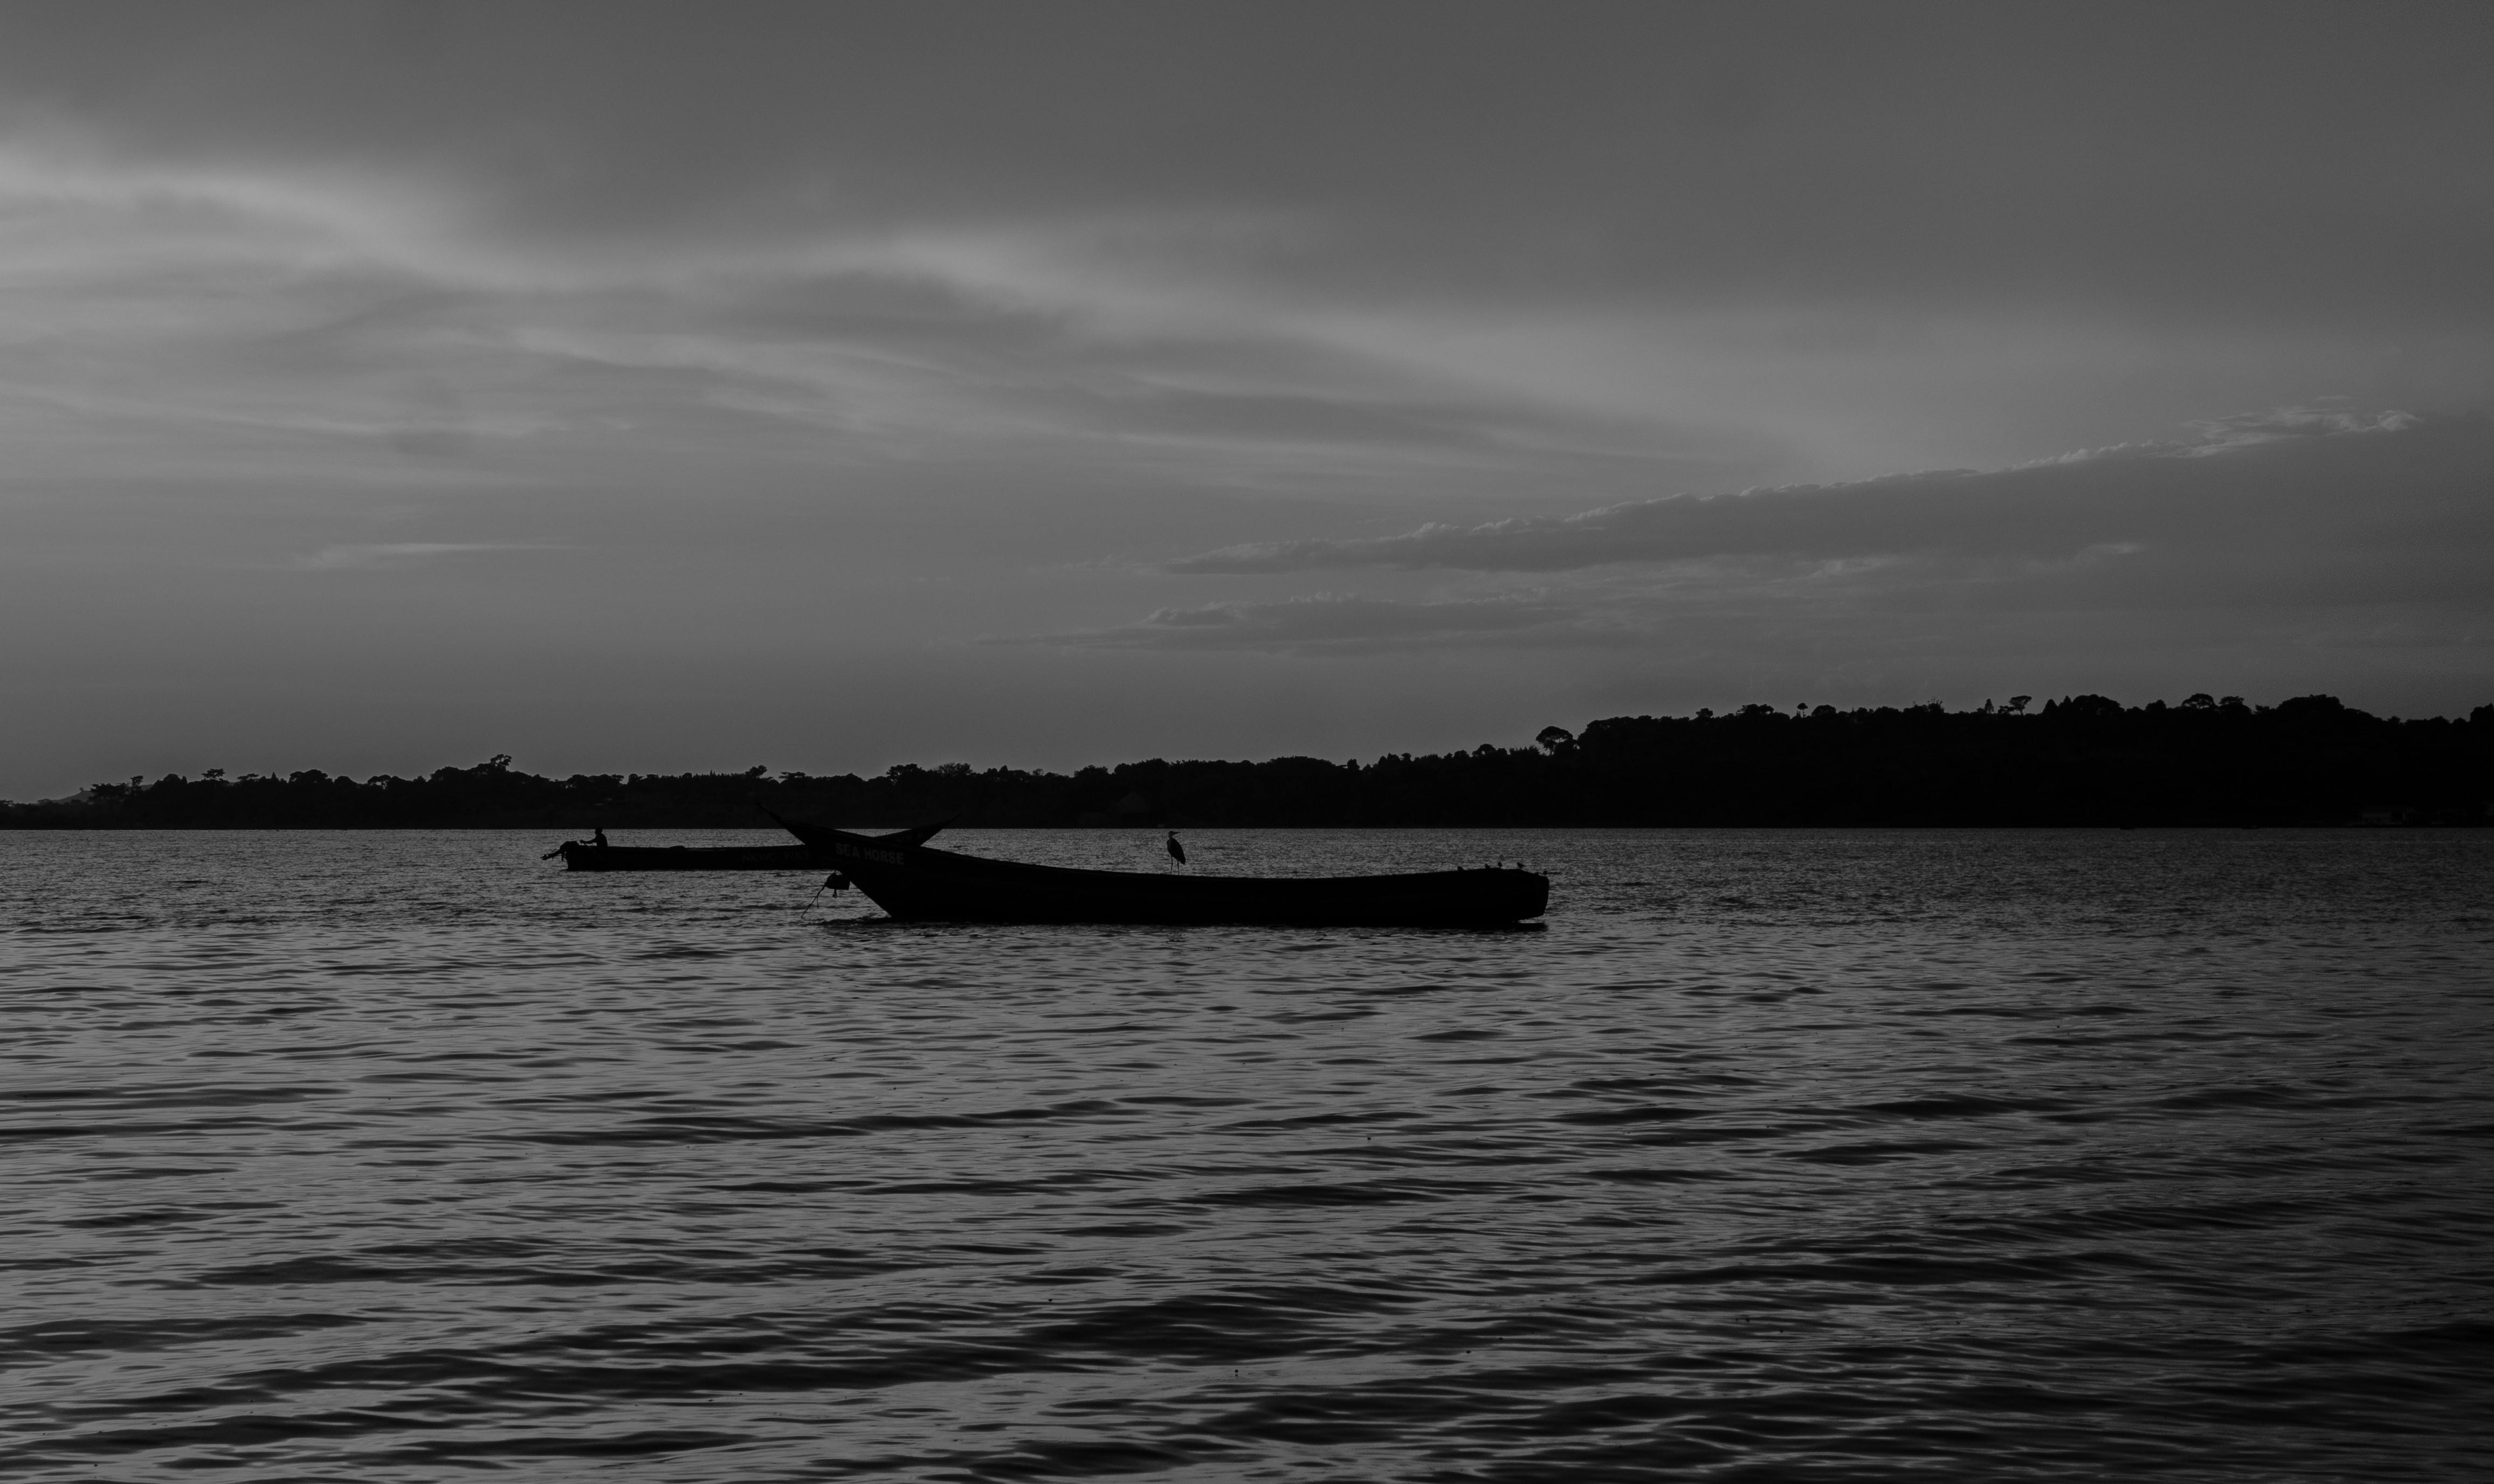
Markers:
<point>587,855</point>
<point>915,884</point>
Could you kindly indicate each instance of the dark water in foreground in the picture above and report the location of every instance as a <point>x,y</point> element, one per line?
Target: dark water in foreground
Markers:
<point>1778,1156</point>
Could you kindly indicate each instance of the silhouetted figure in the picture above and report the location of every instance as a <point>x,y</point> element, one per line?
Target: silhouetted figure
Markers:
<point>1178,851</point>
<point>598,838</point>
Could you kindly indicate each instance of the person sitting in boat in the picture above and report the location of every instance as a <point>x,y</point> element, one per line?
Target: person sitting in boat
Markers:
<point>1178,851</point>
<point>598,838</point>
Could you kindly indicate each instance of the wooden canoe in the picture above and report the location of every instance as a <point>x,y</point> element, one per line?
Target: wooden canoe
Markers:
<point>914,883</point>
<point>581,856</point>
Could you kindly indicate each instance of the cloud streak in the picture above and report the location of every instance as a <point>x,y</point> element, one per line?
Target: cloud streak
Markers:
<point>366,556</point>
<point>2233,484</point>
<point>1344,624</point>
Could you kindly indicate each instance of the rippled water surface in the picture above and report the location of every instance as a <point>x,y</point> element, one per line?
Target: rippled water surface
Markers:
<point>1846,1156</point>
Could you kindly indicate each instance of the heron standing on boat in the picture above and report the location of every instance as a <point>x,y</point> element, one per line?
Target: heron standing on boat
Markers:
<point>1178,851</point>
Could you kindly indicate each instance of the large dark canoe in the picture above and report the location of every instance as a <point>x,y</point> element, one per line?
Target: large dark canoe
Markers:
<point>917,884</point>
<point>691,858</point>
<point>580,855</point>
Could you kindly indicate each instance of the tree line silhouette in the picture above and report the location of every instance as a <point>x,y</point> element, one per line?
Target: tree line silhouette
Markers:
<point>2082,760</point>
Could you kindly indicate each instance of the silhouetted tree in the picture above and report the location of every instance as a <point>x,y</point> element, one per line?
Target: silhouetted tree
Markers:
<point>2081,760</point>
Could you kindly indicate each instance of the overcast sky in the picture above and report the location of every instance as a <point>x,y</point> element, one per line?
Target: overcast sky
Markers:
<point>821,386</point>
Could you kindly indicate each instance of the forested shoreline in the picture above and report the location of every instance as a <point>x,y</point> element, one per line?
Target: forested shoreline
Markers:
<point>2081,761</point>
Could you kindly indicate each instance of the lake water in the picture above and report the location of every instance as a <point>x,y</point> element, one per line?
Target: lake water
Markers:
<point>1778,1154</point>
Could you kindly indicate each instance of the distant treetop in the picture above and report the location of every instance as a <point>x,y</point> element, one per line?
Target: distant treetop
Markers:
<point>2080,760</point>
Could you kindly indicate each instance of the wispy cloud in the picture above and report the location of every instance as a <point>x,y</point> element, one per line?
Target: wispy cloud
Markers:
<point>404,554</point>
<point>2229,486</point>
<point>279,304</point>
<point>1342,623</point>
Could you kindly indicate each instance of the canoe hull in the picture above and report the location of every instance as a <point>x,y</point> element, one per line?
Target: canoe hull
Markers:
<point>917,884</point>
<point>694,858</point>
<point>581,856</point>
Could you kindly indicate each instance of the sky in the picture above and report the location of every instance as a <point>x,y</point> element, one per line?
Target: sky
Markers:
<point>642,388</point>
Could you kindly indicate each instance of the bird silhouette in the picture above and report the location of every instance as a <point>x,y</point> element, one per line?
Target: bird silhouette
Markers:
<point>1178,851</point>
